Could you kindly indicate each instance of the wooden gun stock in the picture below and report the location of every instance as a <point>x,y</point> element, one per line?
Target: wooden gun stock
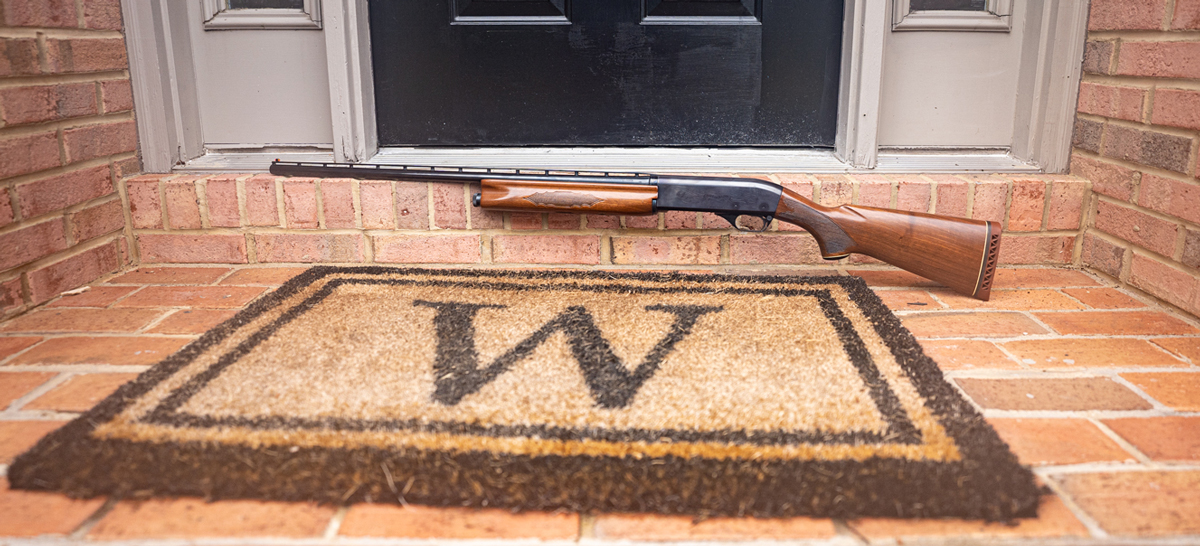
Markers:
<point>957,252</point>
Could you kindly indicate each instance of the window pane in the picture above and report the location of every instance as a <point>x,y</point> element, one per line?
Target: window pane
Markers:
<point>266,4</point>
<point>958,5</point>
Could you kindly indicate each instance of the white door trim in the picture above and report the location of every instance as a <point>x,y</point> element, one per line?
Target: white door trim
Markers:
<point>864,29</point>
<point>351,82</point>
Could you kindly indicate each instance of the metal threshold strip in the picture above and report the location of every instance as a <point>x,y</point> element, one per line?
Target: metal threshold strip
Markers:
<point>663,160</point>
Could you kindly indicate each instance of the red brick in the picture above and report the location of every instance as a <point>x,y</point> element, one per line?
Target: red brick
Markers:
<point>642,222</point>
<point>118,96</point>
<point>836,189</point>
<point>28,154</point>
<point>262,208</point>
<point>39,13</point>
<point>29,513</point>
<point>86,55</point>
<point>654,527</point>
<point>18,436</point>
<point>1138,504</point>
<point>308,248</point>
<point>546,249</point>
<point>80,392</point>
<point>31,243</point>
<point>1074,394</point>
<point>203,297</point>
<point>99,140</point>
<point>16,385</point>
<point>106,350</point>
<point>967,354</point>
<point>951,195</point>
<point>1058,353</point>
<point>1148,147</point>
<point>1051,249</point>
<point>874,191</point>
<point>1178,391</point>
<point>1112,101</point>
<point>102,14</point>
<point>188,518</point>
<point>1184,347</point>
<point>602,221</point>
<point>1127,14</point>
<point>95,221</point>
<point>1107,178</point>
<point>1028,203</point>
<point>183,206</point>
<point>145,208</point>
<point>171,275</point>
<point>1187,15</point>
<point>426,522</point>
<point>40,103</point>
<point>1161,438</point>
<point>1012,300</point>
<point>376,200</point>
<point>1173,285</point>
<point>192,321</point>
<point>10,345</point>
<point>10,295</point>
<point>709,220</point>
<point>449,206</point>
<point>412,205</point>
<point>300,203</point>
<point>979,324</point>
<point>1054,520</point>
<point>221,194</point>
<point>567,220</point>
<point>774,249</point>
<point>991,201</point>
<point>207,248</point>
<point>1040,278</point>
<point>1136,227</point>
<point>913,193</point>
<point>95,296</point>
<point>893,278</point>
<point>73,272</point>
<point>1103,255</point>
<point>81,320</point>
<point>1172,197</point>
<point>1041,442</point>
<point>337,199</point>
<point>525,220</point>
<point>679,219</point>
<point>483,219</point>
<point>1119,323</point>
<point>1066,204</point>
<point>64,190</point>
<point>268,276</point>
<point>1160,59</point>
<point>19,57</point>
<point>126,167</point>
<point>6,210</point>
<point>666,250</point>
<point>908,300</point>
<point>1104,298</point>
<point>421,249</point>
<point>802,184</point>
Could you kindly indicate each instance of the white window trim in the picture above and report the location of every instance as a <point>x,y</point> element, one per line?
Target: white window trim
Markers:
<point>170,134</point>
<point>217,16</point>
<point>996,17</point>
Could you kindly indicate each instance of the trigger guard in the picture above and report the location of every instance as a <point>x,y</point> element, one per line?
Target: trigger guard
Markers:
<point>732,219</point>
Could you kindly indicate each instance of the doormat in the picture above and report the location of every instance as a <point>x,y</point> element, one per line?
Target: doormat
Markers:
<point>706,395</point>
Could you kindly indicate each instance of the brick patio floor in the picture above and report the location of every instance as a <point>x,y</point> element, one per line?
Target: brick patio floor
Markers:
<point>1098,389</point>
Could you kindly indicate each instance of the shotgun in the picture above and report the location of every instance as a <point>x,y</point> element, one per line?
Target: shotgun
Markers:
<point>957,252</point>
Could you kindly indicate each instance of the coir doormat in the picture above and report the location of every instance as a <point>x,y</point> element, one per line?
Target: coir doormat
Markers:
<point>704,395</point>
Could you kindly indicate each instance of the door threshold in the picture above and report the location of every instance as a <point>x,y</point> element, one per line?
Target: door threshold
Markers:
<point>664,160</point>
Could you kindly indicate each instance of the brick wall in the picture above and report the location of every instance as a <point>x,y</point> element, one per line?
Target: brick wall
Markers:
<point>66,136</point>
<point>1136,137</point>
<point>243,218</point>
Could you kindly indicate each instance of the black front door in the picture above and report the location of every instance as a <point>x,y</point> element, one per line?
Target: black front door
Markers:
<point>606,72</point>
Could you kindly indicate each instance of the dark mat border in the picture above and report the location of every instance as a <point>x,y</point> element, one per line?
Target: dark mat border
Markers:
<point>988,483</point>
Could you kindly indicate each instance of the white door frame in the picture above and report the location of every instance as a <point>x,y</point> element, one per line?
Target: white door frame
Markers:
<point>170,131</point>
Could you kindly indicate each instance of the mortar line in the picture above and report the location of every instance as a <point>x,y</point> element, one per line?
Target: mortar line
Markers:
<point>1086,519</point>
<point>1125,444</point>
<point>50,384</point>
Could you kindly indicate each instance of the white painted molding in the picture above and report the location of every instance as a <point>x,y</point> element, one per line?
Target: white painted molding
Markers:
<point>996,17</point>
<point>1049,86</point>
<point>160,71</point>
<point>864,31</point>
<point>351,83</point>
<point>217,16</point>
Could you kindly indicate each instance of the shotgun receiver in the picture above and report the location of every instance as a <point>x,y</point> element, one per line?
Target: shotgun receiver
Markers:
<point>957,252</point>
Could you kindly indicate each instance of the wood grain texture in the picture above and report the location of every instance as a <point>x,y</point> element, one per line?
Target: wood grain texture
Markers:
<point>547,196</point>
<point>957,252</point>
